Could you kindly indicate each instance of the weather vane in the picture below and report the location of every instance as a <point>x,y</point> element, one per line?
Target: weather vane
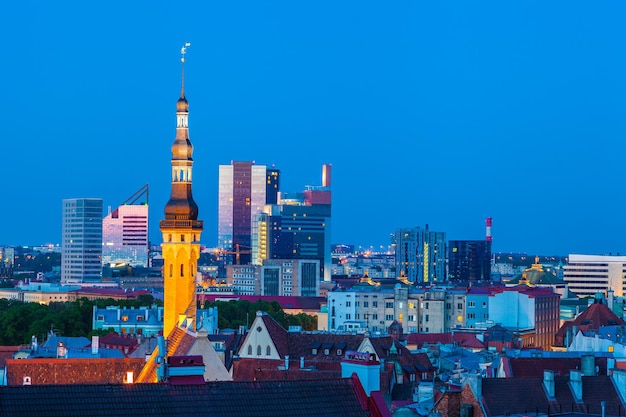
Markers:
<point>183,51</point>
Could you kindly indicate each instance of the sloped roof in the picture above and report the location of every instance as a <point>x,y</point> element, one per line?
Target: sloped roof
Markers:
<point>534,367</point>
<point>179,342</point>
<point>508,396</point>
<point>71,371</point>
<point>596,315</point>
<point>310,398</point>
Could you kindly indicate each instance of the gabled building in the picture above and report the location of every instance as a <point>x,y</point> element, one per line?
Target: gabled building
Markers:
<point>269,351</point>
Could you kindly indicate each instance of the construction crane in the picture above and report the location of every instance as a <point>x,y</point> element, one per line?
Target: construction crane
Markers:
<point>237,252</point>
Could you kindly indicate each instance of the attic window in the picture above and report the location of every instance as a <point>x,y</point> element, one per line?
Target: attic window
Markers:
<point>340,348</point>
<point>315,347</point>
<point>124,318</point>
<point>100,318</point>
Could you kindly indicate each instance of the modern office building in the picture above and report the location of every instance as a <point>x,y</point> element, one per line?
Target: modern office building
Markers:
<point>181,228</point>
<point>81,255</point>
<point>587,275</point>
<point>287,277</point>
<point>469,260</point>
<point>421,255</point>
<point>125,232</point>
<point>244,189</point>
<point>298,227</point>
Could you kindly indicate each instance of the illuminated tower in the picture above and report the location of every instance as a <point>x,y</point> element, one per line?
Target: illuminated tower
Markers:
<point>181,228</point>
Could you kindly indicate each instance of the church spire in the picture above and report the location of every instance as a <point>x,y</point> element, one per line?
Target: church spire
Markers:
<point>181,205</point>
<point>181,228</point>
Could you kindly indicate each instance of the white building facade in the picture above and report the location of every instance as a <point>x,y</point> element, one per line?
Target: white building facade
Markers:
<point>586,275</point>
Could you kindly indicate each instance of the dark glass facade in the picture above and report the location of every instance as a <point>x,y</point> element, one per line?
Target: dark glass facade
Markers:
<point>469,260</point>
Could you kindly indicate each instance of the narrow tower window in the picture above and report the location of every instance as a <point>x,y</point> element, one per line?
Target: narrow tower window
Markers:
<point>182,270</point>
<point>171,270</point>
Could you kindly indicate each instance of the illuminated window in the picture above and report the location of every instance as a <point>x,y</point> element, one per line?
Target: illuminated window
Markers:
<point>124,318</point>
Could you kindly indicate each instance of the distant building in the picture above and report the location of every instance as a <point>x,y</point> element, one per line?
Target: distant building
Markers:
<point>125,232</point>
<point>81,258</point>
<point>522,307</point>
<point>588,274</point>
<point>146,321</point>
<point>469,260</point>
<point>421,255</point>
<point>7,260</point>
<point>298,227</point>
<point>243,191</point>
<point>298,277</point>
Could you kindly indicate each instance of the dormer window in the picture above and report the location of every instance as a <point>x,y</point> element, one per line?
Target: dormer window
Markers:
<point>340,348</point>
<point>315,348</point>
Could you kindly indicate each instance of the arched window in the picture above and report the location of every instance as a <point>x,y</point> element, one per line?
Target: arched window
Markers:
<point>258,350</point>
<point>250,350</point>
<point>268,350</point>
<point>182,270</point>
<point>171,270</point>
<point>192,270</point>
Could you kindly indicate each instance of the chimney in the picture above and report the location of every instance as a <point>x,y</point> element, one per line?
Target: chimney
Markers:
<point>488,222</point>
<point>576,385</point>
<point>286,362</point>
<point>95,344</point>
<point>326,175</point>
<point>301,362</point>
<point>548,383</point>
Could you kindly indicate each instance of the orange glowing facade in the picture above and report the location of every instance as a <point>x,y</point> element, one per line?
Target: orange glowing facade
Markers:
<point>181,229</point>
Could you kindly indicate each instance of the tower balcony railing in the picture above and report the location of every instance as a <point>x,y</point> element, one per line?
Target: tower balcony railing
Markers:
<point>181,224</point>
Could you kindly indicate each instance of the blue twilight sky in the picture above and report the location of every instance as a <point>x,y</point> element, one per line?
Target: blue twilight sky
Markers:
<point>440,113</point>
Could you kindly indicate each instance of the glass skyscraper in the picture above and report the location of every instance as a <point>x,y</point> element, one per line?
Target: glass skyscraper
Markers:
<point>243,192</point>
<point>81,254</point>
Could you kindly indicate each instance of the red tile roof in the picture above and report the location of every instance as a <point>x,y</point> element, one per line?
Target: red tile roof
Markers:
<point>72,371</point>
<point>591,319</point>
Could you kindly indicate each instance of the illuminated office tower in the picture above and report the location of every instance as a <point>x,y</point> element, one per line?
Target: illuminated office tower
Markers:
<point>81,254</point>
<point>244,189</point>
<point>296,228</point>
<point>125,232</point>
<point>421,255</point>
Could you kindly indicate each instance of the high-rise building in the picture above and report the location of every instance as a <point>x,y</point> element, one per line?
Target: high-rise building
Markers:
<point>181,228</point>
<point>420,255</point>
<point>469,260</point>
<point>125,232</point>
<point>298,227</point>
<point>586,275</point>
<point>81,255</point>
<point>243,191</point>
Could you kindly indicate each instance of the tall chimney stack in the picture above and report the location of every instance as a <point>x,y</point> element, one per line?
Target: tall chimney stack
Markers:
<point>488,222</point>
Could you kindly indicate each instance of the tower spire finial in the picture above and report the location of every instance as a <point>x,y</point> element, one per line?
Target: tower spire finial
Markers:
<point>183,51</point>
